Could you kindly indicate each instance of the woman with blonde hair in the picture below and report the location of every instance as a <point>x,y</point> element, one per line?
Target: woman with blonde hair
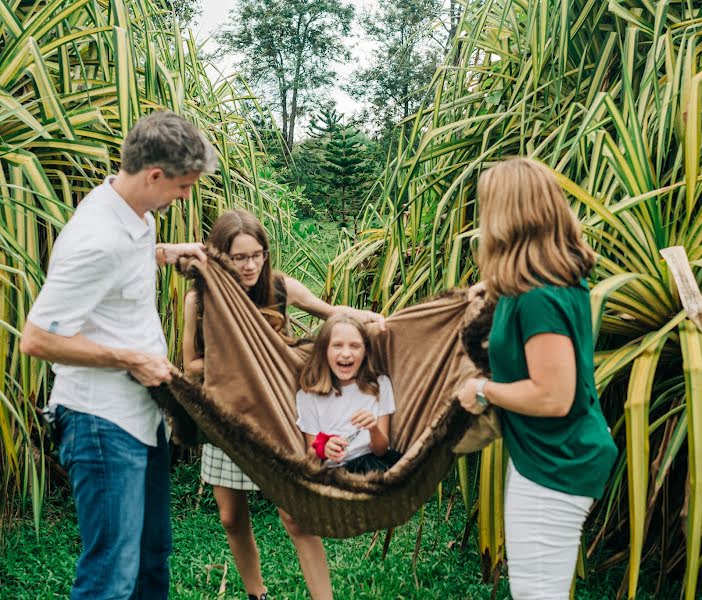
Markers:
<point>533,261</point>
<point>241,236</point>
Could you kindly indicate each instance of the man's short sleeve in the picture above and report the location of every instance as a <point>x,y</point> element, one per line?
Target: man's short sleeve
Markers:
<point>76,283</point>
<point>386,399</point>
<point>307,417</point>
<point>542,311</point>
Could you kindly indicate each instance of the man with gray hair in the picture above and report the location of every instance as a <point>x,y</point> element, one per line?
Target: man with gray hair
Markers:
<point>96,320</point>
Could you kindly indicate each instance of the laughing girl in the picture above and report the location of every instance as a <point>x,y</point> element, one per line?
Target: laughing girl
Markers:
<point>344,404</point>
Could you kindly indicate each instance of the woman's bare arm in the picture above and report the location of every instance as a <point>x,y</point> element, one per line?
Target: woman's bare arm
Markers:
<point>548,392</point>
<point>299,295</point>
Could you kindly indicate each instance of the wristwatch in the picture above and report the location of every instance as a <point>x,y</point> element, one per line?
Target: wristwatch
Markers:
<point>480,396</point>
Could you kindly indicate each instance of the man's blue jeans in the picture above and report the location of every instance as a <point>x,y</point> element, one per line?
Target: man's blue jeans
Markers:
<point>122,497</point>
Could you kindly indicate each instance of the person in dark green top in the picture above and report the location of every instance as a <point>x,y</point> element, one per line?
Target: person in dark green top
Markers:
<point>533,259</point>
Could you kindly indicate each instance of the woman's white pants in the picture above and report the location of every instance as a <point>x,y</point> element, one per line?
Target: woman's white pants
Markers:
<point>542,531</point>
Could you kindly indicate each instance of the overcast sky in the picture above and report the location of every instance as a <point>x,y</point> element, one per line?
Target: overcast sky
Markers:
<point>215,13</point>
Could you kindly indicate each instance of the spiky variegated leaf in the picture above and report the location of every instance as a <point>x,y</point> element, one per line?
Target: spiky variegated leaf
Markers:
<point>74,76</point>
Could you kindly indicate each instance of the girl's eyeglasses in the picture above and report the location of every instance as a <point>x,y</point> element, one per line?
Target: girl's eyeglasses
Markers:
<point>258,257</point>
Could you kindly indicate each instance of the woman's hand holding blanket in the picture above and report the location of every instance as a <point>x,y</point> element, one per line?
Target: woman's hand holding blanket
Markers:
<point>363,316</point>
<point>466,395</point>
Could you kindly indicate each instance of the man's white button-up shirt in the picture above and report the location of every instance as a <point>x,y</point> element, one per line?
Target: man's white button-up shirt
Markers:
<point>101,283</point>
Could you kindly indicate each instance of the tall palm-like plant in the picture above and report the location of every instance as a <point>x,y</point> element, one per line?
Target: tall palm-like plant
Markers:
<point>74,76</point>
<point>607,94</point>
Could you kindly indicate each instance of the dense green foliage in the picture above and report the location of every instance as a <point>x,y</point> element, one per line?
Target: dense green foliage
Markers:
<point>348,168</point>
<point>335,167</point>
<point>408,41</point>
<point>74,76</point>
<point>607,94</point>
<point>186,11</point>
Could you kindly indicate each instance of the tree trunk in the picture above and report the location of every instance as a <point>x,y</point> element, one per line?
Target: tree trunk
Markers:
<point>284,110</point>
<point>293,116</point>
<point>453,20</point>
<point>405,100</point>
<point>454,17</point>
<point>290,132</point>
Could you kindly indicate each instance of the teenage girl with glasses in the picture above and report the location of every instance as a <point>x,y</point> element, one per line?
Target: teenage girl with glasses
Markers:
<point>240,235</point>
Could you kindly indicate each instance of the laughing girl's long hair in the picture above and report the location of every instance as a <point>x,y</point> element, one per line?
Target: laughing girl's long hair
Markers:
<point>316,376</point>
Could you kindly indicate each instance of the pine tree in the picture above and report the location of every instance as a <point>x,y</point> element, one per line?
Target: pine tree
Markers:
<point>346,163</point>
<point>333,166</point>
<point>309,159</point>
<point>324,124</point>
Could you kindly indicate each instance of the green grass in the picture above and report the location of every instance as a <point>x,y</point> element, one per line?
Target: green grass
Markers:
<point>322,236</point>
<point>32,569</point>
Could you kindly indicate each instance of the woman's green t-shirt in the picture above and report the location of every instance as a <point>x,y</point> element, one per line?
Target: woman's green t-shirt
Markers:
<point>572,454</point>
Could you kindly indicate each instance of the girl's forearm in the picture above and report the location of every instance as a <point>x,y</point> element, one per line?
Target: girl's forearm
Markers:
<point>378,441</point>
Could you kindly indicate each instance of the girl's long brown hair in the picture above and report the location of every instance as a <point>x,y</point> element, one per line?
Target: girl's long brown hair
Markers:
<point>529,236</point>
<point>316,376</point>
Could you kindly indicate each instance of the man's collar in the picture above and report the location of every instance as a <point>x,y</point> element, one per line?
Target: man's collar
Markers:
<point>135,226</point>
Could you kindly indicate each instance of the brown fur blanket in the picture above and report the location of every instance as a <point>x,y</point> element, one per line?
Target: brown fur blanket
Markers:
<point>246,405</point>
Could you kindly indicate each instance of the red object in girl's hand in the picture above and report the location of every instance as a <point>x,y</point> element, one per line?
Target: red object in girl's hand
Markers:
<point>319,443</point>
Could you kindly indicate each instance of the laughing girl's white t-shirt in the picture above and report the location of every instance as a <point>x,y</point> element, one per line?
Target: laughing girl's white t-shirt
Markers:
<point>331,414</point>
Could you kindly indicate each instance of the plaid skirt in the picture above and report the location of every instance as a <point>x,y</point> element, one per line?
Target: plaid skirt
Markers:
<point>218,469</point>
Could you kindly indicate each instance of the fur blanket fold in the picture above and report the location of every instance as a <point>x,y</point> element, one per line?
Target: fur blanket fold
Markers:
<point>246,405</point>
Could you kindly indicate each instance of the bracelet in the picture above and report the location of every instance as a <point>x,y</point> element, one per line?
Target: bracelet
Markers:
<point>480,396</point>
<point>319,443</point>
